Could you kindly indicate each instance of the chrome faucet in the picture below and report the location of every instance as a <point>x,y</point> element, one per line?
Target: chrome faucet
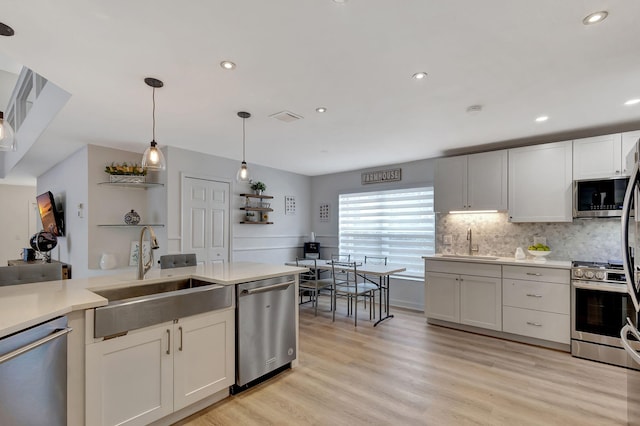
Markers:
<point>142,266</point>
<point>470,239</point>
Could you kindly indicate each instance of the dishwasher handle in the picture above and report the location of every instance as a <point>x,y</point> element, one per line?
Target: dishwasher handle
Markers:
<point>56,334</point>
<point>266,288</point>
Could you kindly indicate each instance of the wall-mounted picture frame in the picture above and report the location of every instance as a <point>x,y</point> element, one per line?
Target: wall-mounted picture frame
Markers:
<point>135,252</point>
<point>289,204</point>
<point>324,212</point>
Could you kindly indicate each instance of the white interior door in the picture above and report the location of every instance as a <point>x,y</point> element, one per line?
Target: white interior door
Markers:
<point>205,219</point>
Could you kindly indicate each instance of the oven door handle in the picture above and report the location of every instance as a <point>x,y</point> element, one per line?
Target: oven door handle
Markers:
<point>599,287</point>
<point>624,333</point>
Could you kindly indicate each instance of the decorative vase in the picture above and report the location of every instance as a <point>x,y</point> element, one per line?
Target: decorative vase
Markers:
<point>108,261</point>
<point>258,191</point>
<point>126,179</point>
<point>132,218</point>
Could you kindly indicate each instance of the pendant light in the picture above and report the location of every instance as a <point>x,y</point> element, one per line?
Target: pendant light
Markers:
<point>7,140</point>
<point>243,172</point>
<point>153,159</point>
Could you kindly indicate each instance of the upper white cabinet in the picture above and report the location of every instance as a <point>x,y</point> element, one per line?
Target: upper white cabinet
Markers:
<point>540,183</point>
<point>630,141</point>
<point>602,156</point>
<point>471,182</point>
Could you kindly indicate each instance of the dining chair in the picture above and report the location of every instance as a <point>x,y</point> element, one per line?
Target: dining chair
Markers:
<point>311,284</point>
<point>346,282</point>
<point>344,258</point>
<point>169,261</point>
<point>32,273</point>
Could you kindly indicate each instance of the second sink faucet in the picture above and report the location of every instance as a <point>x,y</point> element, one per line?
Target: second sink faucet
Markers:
<point>470,239</point>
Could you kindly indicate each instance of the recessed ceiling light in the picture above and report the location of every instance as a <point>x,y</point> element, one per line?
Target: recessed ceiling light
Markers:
<point>474,109</point>
<point>340,1</point>
<point>632,102</point>
<point>420,75</point>
<point>595,17</point>
<point>542,118</point>
<point>321,109</point>
<point>227,65</point>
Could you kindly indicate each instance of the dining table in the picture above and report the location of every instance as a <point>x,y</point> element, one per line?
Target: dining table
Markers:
<point>369,272</point>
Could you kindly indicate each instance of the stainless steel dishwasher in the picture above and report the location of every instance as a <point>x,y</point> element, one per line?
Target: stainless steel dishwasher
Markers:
<point>266,329</point>
<point>33,375</point>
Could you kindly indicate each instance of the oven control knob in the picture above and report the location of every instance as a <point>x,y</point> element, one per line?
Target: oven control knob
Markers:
<point>577,273</point>
<point>600,275</point>
<point>588,274</point>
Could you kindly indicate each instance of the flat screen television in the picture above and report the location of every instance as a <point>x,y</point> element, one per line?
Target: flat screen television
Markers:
<point>51,216</point>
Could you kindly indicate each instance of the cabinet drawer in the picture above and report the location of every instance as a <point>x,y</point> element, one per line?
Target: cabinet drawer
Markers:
<point>533,273</point>
<point>537,324</point>
<point>464,268</point>
<point>547,297</point>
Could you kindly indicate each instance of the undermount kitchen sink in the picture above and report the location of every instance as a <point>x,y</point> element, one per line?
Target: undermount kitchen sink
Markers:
<point>139,306</point>
<point>467,256</point>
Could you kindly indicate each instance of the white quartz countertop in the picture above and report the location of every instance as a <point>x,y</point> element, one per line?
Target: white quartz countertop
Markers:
<point>548,263</point>
<point>25,305</point>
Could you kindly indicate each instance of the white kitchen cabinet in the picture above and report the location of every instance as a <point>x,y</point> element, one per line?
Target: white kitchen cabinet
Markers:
<point>540,183</point>
<point>599,157</point>
<point>481,302</point>
<point>442,296</point>
<point>465,293</point>
<point>630,142</point>
<point>150,373</point>
<point>536,302</point>
<point>471,182</point>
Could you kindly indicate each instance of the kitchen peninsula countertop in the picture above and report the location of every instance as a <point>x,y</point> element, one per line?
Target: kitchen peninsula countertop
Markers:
<point>556,264</point>
<point>25,305</point>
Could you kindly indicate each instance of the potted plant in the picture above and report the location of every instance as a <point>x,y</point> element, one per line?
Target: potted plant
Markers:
<point>258,187</point>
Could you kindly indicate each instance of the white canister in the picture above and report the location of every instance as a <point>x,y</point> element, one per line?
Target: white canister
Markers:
<point>108,261</point>
<point>520,254</point>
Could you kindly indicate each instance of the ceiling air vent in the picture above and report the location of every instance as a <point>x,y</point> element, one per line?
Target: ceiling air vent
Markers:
<point>286,116</point>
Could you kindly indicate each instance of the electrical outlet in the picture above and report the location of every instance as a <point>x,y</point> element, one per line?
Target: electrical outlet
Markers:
<point>540,240</point>
<point>447,239</point>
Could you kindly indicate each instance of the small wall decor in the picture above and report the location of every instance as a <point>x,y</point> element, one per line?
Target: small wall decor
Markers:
<point>324,212</point>
<point>379,176</point>
<point>289,204</point>
<point>135,252</point>
<point>132,218</point>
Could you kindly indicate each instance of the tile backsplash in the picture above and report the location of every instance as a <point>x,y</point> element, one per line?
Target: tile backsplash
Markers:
<point>583,239</point>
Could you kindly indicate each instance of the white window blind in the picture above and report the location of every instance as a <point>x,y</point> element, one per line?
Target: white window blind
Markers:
<point>399,224</point>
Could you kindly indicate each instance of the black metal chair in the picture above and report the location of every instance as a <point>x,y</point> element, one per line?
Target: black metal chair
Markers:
<point>311,284</point>
<point>346,282</point>
<point>169,261</point>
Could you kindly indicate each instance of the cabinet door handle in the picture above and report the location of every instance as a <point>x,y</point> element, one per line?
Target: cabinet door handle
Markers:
<point>535,274</point>
<point>180,347</point>
<point>534,295</point>
<point>168,342</point>
<point>535,324</point>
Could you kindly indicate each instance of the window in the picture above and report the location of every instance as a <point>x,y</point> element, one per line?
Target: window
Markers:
<point>399,224</point>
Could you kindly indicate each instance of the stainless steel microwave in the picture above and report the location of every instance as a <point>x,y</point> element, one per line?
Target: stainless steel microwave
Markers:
<point>599,197</point>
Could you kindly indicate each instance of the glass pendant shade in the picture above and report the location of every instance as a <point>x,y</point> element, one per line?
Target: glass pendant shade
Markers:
<point>153,159</point>
<point>243,172</point>
<point>7,139</point>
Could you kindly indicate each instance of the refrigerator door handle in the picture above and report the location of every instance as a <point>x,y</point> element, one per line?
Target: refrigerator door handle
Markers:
<point>624,337</point>
<point>629,267</point>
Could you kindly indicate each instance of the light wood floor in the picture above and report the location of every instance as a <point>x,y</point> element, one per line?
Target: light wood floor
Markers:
<point>406,372</point>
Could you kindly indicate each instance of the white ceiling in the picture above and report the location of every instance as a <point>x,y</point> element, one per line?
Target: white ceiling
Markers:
<point>518,59</point>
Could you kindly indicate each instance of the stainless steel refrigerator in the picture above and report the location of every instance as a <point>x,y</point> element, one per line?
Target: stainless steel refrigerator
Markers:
<point>631,262</point>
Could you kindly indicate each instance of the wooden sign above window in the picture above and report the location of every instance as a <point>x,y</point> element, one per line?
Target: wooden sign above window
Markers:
<point>379,176</point>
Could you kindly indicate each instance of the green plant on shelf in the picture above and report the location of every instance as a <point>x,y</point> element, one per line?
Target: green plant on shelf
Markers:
<point>258,186</point>
<point>133,169</point>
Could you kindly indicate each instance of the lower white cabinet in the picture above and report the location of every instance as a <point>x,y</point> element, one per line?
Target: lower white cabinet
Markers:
<point>150,373</point>
<point>537,302</point>
<point>467,293</point>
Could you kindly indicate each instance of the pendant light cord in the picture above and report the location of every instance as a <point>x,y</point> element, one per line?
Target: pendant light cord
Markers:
<point>243,143</point>
<point>153,114</point>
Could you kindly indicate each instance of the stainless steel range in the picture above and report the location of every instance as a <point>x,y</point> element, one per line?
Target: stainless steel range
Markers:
<point>600,305</point>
